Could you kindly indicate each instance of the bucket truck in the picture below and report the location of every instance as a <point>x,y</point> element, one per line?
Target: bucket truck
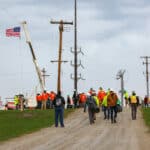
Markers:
<point>32,99</point>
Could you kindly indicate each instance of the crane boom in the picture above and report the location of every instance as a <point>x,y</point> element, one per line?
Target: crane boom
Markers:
<point>28,40</point>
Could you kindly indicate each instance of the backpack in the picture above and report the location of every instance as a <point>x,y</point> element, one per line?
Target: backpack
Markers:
<point>58,102</point>
<point>92,104</point>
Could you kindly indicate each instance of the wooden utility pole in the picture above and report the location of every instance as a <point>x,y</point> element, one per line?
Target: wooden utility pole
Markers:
<point>61,29</point>
<point>44,75</point>
<point>147,73</point>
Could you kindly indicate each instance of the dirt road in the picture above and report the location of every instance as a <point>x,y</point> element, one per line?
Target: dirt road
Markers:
<point>79,135</point>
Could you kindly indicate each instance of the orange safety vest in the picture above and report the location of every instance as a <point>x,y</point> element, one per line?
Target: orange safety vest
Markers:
<point>45,96</point>
<point>82,98</point>
<point>52,96</point>
<point>38,97</point>
<point>101,94</point>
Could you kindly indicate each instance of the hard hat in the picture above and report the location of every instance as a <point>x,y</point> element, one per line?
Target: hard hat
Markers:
<point>88,94</point>
<point>111,89</point>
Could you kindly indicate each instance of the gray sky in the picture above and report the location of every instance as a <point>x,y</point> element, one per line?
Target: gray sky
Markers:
<point>112,34</point>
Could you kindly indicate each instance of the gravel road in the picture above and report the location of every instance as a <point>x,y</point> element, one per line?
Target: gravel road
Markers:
<point>78,134</point>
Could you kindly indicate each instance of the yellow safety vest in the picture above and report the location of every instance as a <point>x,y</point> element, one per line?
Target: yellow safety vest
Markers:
<point>133,99</point>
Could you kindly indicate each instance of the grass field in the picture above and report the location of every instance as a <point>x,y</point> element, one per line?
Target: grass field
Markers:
<point>146,116</point>
<point>14,123</point>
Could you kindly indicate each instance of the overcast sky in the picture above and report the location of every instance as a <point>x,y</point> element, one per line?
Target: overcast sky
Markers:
<point>112,34</point>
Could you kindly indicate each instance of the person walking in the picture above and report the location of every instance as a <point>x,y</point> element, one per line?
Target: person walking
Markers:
<point>101,94</point>
<point>92,104</point>
<point>105,107</point>
<point>134,103</point>
<point>126,97</point>
<point>112,103</point>
<point>59,103</point>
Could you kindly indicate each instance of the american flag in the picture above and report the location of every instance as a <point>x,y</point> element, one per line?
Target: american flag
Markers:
<point>13,32</point>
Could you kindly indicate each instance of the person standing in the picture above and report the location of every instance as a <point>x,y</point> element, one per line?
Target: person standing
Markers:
<point>75,99</point>
<point>21,100</point>
<point>146,101</point>
<point>134,103</point>
<point>59,103</point>
<point>39,100</point>
<point>112,103</point>
<point>16,101</point>
<point>44,100</point>
<point>52,96</point>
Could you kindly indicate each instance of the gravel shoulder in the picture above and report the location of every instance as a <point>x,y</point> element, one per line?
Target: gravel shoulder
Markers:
<point>78,134</point>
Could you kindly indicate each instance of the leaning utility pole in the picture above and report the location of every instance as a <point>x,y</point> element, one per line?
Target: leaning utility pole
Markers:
<point>147,76</point>
<point>44,75</point>
<point>61,29</point>
<point>120,75</point>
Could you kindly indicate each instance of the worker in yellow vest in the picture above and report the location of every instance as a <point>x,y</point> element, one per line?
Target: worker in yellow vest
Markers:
<point>16,101</point>
<point>134,101</point>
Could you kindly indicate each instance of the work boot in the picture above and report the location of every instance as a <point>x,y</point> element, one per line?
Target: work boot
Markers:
<point>112,121</point>
<point>115,121</point>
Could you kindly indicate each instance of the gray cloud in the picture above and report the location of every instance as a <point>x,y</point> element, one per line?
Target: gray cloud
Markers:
<point>113,35</point>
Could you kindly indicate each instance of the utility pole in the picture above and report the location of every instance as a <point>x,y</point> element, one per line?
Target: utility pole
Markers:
<point>75,49</point>
<point>44,75</point>
<point>120,75</point>
<point>147,73</point>
<point>75,52</point>
<point>61,29</point>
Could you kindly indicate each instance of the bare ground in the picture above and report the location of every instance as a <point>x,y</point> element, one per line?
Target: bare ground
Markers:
<point>79,135</point>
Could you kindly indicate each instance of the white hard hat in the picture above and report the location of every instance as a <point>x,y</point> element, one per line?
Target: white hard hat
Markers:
<point>111,89</point>
<point>88,94</point>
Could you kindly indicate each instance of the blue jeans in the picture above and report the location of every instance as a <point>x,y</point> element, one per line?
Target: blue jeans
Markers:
<point>59,116</point>
<point>113,110</point>
<point>106,112</point>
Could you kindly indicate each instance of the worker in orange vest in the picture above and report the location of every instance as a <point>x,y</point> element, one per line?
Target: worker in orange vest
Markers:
<point>82,99</point>
<point>101,94</point>
<point>39,100</point>
<point>45,96</point>
<point>52,96</point>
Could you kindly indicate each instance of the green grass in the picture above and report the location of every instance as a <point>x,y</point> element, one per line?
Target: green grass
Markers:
<point>146,116</point>
<point>15,123</point>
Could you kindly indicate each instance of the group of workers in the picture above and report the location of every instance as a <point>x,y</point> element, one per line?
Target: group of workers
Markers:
<point>108,102</point>
<point>45,99</point>
<point>111,105</point>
